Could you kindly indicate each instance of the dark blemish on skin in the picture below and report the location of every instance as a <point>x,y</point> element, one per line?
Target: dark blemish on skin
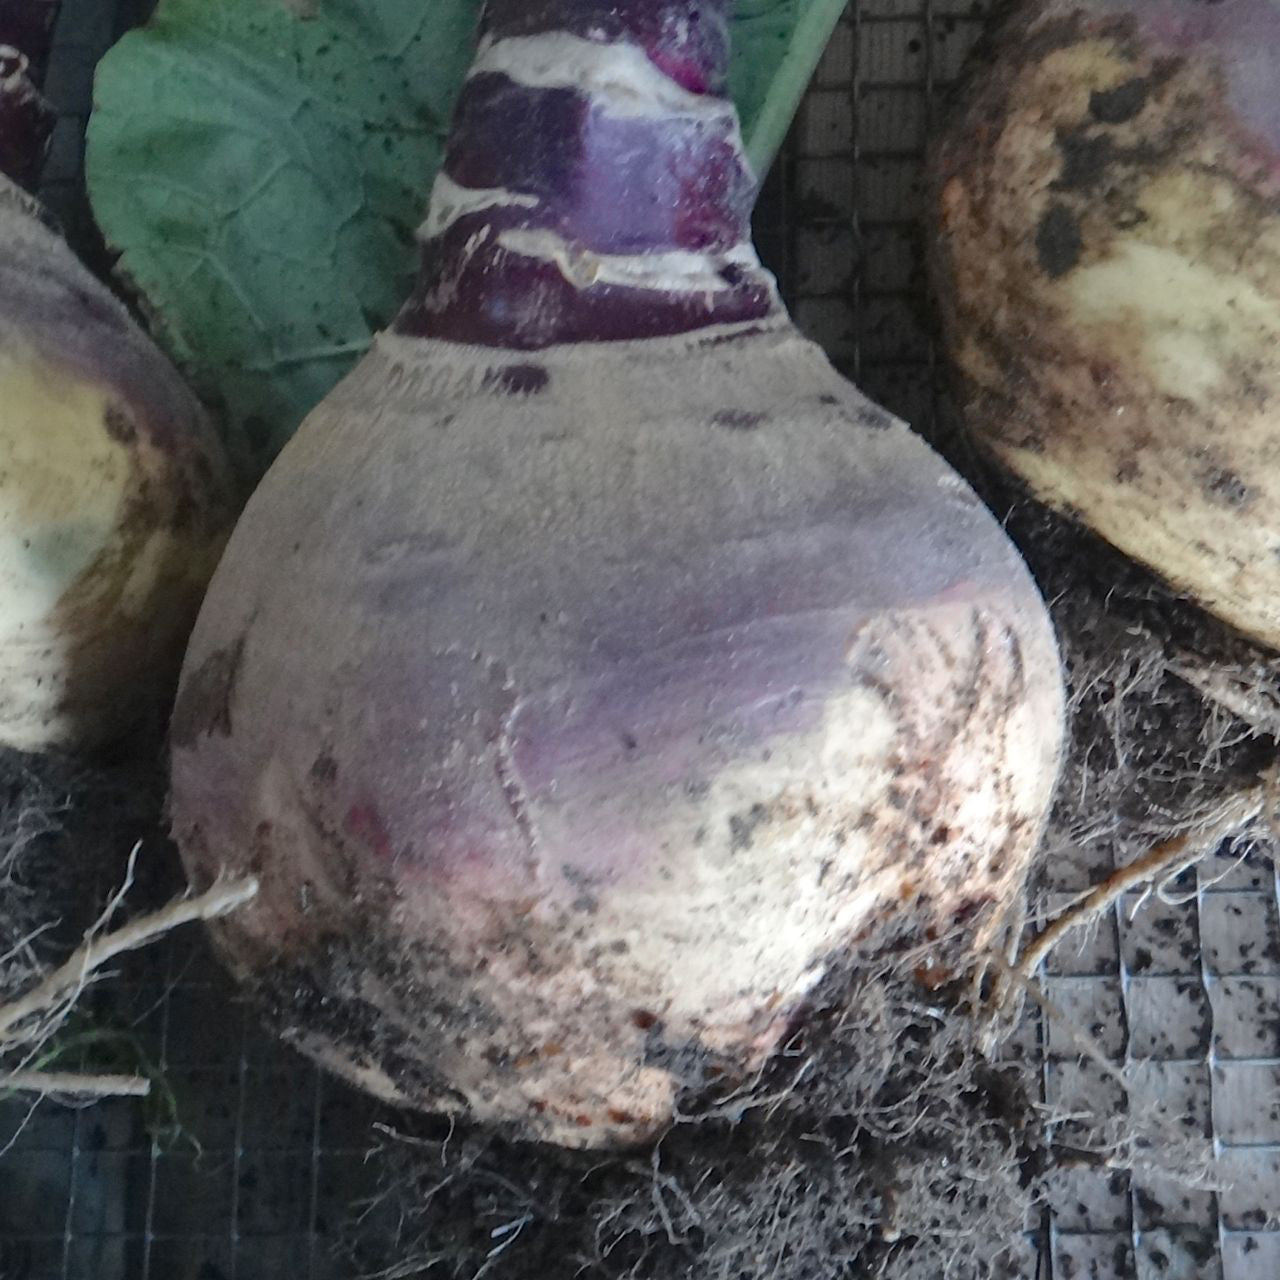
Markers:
<point>1058,241</point>
<point>875,418</point>
<point>828,399</point>
<point>620,1117</point>
<point>522,379</point>
<point>325,768</point>
<point>1115,106</point>
<point>1085,160</point>
<point>119,425</point>
<point>1127,219</point>
<point>738,419</point>
<point>645,1020</point>
<point>203,707</point>
<point>742,827</point>
<point>723,339</point>
<point>1224,486</point>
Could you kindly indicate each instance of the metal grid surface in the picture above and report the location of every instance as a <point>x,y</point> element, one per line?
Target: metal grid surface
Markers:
<point>270,1153</point>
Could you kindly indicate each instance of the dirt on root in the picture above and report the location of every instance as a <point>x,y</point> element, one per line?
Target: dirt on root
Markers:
<point>888,1140</point>
<point>891,1140</point>
<point>67,827</point>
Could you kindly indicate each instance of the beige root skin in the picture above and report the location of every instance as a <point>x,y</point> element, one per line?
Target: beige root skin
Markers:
<point>636,698</point>
<point>115,499</point>
<point>1111,295</point>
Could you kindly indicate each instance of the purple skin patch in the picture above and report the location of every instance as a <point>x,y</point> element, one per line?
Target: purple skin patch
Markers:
<point>664,683</point>
<point>26,121</point>
<point>508,300</point>
<point>686,39</point>
<point>568,752</point>
<point>1245,36</point>
<point>605,183</point>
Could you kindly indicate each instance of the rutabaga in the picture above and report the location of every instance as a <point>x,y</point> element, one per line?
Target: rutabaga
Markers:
<point>1107,199</point>
<point>114,492</point>
<point>596,667</point>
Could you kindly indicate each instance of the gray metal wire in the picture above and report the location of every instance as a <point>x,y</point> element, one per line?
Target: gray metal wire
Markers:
<point>1186,997</point>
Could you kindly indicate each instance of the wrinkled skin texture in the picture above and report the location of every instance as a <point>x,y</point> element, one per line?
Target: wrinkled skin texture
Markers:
<point>596,667</point>
<point>603,140</point>
<point>1108,263</point>
<point>584,709</point>
<point>115,500</point>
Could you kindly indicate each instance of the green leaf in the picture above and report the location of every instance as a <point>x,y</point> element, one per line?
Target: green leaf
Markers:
<point>777,44</point>
<point>261,167</point>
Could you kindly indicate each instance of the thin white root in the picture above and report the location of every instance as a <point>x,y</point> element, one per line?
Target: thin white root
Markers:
<point>1243,693</point>
<point>1164,861</point>
<point>71,977</point>
<point>71,1083</point>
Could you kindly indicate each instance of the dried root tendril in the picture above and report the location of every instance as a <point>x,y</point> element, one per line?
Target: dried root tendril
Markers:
<point>1161,864</point>
<point>28,1022</point>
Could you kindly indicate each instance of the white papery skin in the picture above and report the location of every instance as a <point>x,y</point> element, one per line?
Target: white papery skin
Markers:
<point>1108,260</point>
<point>115,500</point>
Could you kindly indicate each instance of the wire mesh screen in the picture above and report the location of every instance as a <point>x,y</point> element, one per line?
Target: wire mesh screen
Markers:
<point>245,1163</point>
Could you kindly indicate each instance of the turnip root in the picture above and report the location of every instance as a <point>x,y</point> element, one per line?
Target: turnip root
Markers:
<point>1108,263</point>
<point>115,495</point>
<point>595,667</point>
